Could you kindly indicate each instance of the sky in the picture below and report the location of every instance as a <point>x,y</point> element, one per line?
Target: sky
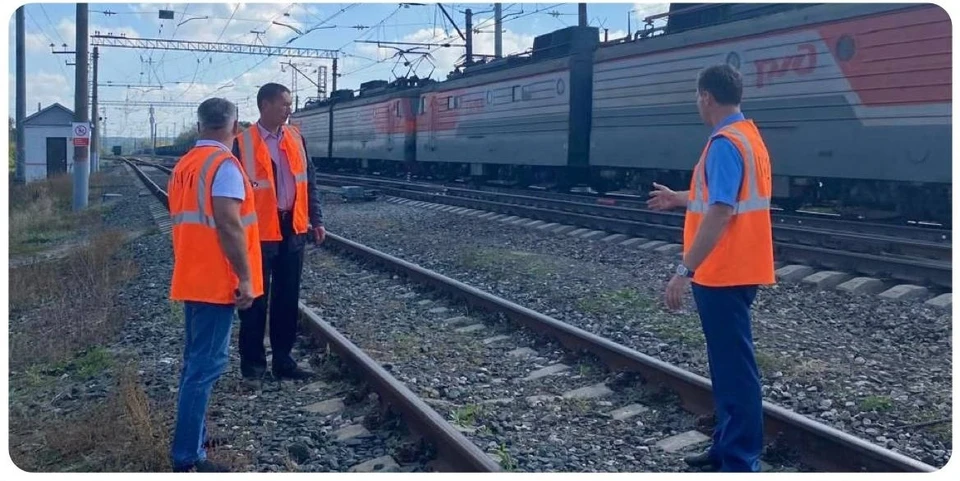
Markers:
<point>163,75</point>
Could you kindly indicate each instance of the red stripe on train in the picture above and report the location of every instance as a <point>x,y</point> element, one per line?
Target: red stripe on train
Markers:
<point>897,59</point>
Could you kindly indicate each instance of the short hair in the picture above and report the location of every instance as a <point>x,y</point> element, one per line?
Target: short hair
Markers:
<point>270,91</point>
<point>723,82</point>
<point>216,113</point>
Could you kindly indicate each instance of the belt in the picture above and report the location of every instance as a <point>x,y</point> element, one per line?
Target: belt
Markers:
<point>285,214</point>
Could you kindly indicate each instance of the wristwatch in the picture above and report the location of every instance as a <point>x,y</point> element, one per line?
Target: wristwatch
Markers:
<point>683,271</point>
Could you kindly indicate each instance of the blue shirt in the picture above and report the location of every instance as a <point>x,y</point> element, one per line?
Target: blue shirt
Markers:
<point>724,167</point>
<point>228,181</point>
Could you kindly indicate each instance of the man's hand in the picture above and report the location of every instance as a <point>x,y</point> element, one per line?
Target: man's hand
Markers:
<point>662,198</point>
<point>676,288</point>
<point>319,234</point>
<point>244,295</point>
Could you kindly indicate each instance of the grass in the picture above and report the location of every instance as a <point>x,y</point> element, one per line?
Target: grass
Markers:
<point>466,416</point>
<point>876,403</point>
<point>86,365</point>
<point>66,305</point>
<point>502,260</point>
<point>623,301</point>
<point>685,329</point>
<point>63,315</point>
<point>506,461</point>
<point>768,363</point>
<point>41,212</point>
<point>122,434</point>
<point>176,312</point>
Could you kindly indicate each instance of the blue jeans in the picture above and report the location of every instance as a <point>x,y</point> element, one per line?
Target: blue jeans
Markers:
<point>205,355</point>
<point>738,401</point>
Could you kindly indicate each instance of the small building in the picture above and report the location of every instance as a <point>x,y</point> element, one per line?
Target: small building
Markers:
<point>47,147</point>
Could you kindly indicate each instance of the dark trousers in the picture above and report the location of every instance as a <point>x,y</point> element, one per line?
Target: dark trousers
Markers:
<point>738,402</point>
<point>282,269</point>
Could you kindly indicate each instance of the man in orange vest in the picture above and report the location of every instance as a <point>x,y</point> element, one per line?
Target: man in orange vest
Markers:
<point>274,156</point>
<point>216,250</point>
<point>727,254</point>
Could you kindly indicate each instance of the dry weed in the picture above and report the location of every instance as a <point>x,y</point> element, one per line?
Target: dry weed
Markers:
<point>42,212</point>
<point>70,301</point>
<point>123,434</point>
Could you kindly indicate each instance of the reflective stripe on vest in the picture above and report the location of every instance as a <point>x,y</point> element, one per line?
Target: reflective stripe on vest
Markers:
<point>250,160</point>
<point>199,216</point>
<point>753,202</point>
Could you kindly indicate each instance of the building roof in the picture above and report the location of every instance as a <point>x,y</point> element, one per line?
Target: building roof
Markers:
<point>53,114</point>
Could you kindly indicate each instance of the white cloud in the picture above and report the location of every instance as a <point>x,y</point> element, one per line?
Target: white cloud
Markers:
<point>45,88</point>
<point>236,26</point>
<point>644,10</point>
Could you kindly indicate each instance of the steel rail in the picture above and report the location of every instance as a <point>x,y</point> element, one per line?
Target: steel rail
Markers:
<point>928,234</point>
<point>907,269</point>
<point>456,452</point>
<point>872,243</point>
<point>820,446</point>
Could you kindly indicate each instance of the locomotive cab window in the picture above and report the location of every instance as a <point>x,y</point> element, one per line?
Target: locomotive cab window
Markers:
<point>516,93</point>
<point>451,103</point>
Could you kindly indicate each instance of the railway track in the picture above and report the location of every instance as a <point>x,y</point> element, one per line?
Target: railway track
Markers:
<point>921,262</point>
<point>455,451</point>
<point>817,446</point>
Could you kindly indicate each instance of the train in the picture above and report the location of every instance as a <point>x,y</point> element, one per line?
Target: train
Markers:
<point>853,102</point>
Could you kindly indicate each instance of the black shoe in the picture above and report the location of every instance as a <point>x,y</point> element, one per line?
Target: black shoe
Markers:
<point>703,461</point>
<point>252,373</point>
<point>205,466</point>
<point>296,373</point>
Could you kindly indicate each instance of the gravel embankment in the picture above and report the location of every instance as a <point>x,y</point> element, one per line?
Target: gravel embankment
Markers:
<point>868,367</point>
<point>268,429</point>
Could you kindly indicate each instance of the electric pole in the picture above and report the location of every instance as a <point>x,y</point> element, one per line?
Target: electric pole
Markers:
<point>153,132</point>
<point>333,78</point>
<point>498,33</point>
<point>81,153</point>
<point>21,97</point>
<point>95,128</point>
<point>469,28</point>
<point>583,14</point>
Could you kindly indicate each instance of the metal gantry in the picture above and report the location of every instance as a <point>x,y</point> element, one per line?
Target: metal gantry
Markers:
<point>213,47</point>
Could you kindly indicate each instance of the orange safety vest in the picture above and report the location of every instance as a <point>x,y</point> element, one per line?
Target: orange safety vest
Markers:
<point>201,270</point>
<point>744,253</point>
<point>256,160</point>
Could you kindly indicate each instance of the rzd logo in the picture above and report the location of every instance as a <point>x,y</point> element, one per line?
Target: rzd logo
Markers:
<point>802,63</point>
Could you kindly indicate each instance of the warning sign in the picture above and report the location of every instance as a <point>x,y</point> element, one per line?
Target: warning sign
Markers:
<point>81,134</point>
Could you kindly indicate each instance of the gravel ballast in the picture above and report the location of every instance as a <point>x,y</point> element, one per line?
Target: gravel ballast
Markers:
<point>269,427</point>
<point>872,368</point>
<point>511,392</point>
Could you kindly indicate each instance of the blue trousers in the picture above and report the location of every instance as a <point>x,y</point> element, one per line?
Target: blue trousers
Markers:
<point>205,356</point>
<point>738,401</point>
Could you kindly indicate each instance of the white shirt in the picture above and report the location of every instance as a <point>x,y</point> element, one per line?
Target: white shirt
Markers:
<point>228,181</point>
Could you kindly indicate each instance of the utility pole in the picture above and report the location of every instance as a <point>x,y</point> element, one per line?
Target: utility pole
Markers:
<point>153,132</point>
<point>583,14</point>
<point>469,28</point>
<point>95,129</point>
<point>333,78</point>
<point>498,33</point>
<point>81,159</point>
<point>21,98</point>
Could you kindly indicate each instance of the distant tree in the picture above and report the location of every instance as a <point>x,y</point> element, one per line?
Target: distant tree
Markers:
<point>244,124</point>
<point>187,137</point>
